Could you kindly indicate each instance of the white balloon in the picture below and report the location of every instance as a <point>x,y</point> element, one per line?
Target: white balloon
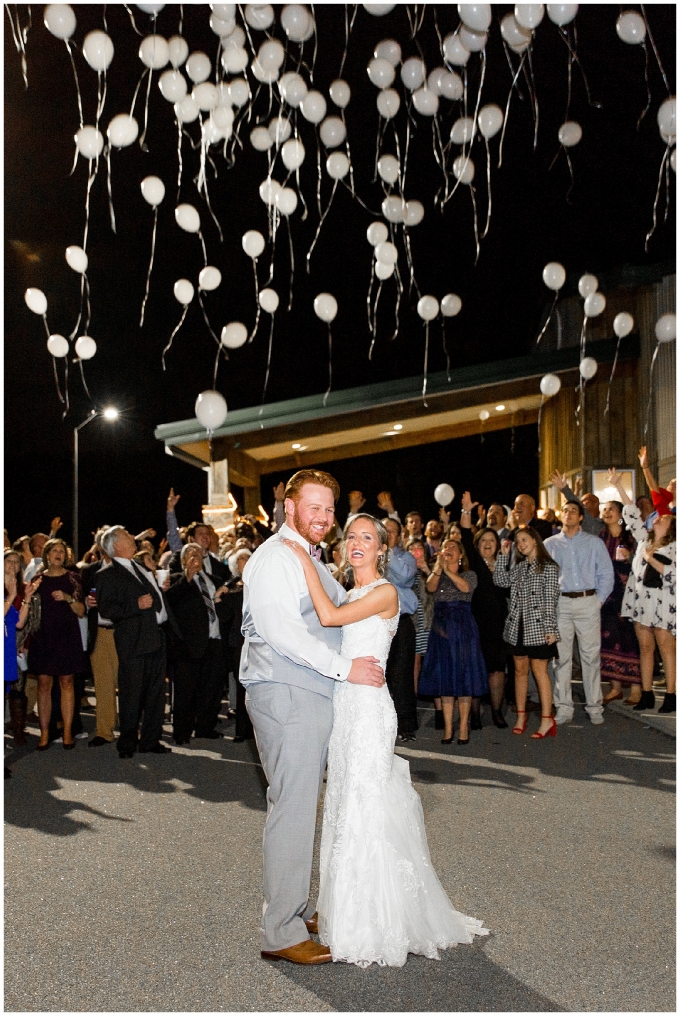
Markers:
<point>271,55</point>
<point>337,165</point>
<point>325,307</point>
<point>187,218</point>
<point>490,120</point>
<point>198,67</point>
<point>623,324</point>
<point>85,347</point>
<point>377,233</point>
<point>313,107</point>
<point>205,96</point>
<point>178,50</point>
<point>569,134</point>
<point>269,189</point>
<point>665,328</point>
<point>454,51</point>
<point>587,284</point>
<point>428,308</point>
<point>562,14</point>
<point>386,252</point>
<point>293,88</point>
<point>269,300</point>
<point>36,301</point>
<point>393,208</point>
<point>186,111</point>
<point>236,38</point>
<point>587,368</point>
<point>234,59</point>
<point>98,50</point>
<point>594,304</point>
<point>234,335</point>
<point>286,201</point>
<point>414,213</point>
<point>296,22</point>
<point>221,28</point>
<point>279,129</point>
<point>529,16</point>
<point>444,492</point>
<point>388,103</point>
<point>293,154</point>
<point>209,278</point>
<point>340,93</point>
<point>464,169</point>
<point>451,305</point>
<point>122,130</point>
<point>77,259</point>
<point>666,117</point>
<point>388,49</point>
<point>150,8</point>
<point>184,292</point>
<point>434,79</point>
<point>474,42</point>
<point>224,11</point>
<point>515,36</point>
<point>57,345</point>
<point>475,16</point>
<point>60,21</point>
<point>211,131</point>
<point>154,52</point>
<point>259,16</point>
<point>89,142</point>
<point>379,10</point>
<point>413,73</point>
<point>463,130</point>
<point>631,28</point>
<point>224,119</point>
<point>451,86</point>
<point>484,414</point>
<point>554,275</point>
<point>383,270</point>
<point>381,72</point>
<point>332,132</point>
<point>211,410</point>
<point>173,85</point>
<point>239,92</point>
<point>388,168</point>
<point>260,74</point>
<point>426,101</point>
<point>550,384</point>
<point>252,243</point>
<point>261,139</point>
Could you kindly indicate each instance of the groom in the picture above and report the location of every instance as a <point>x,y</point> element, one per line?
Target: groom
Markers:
<point>289,666</point>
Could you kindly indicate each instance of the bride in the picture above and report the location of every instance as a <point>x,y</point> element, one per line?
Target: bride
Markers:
<point>379,896</point>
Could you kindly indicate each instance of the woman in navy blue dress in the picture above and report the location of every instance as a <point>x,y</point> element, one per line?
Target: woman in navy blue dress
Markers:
<point>454,665</point>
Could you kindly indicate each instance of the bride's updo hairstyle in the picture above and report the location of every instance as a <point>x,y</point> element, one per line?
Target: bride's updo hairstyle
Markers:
<point>381,536</point>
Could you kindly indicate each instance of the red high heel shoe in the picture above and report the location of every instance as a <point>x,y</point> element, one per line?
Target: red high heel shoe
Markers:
<point>550,732</point>
<point>517,729</point>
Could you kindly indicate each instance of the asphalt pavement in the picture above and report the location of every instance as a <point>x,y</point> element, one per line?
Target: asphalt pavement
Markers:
<point>134,885</point>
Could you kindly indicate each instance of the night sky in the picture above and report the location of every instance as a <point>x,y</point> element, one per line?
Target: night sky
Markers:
<point>124,472</point>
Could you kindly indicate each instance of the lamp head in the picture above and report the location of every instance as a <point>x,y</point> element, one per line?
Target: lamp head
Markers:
<point>110,413</point>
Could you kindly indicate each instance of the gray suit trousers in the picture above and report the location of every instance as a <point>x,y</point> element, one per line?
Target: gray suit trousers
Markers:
<point>292,731</point>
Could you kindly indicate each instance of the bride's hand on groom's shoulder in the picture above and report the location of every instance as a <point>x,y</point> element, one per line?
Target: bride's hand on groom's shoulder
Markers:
<point>297,549</point>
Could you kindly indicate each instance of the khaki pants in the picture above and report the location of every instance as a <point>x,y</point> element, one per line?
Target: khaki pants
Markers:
<point>104,660</point>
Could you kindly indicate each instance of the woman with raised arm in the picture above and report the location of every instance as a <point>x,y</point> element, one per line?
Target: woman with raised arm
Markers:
<point>620,655</point>
<point>649,598</point>
<point>379,897</point>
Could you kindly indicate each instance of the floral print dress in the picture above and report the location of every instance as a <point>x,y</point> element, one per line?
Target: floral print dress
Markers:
<point>651,607</point>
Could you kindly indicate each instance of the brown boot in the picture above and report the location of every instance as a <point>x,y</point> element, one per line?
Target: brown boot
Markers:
<point>312,924</point>
<point>17,713</point>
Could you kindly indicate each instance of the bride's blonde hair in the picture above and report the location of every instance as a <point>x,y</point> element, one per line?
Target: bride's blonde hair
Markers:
<point>381,536</point>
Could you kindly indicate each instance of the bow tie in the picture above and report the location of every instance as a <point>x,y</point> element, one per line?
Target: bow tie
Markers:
<point>315,552</point>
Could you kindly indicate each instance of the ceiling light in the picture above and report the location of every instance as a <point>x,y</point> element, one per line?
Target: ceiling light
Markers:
<point>390,433</point>
<point>398,426</point>
<point>499,409</point>
<point>296,446</point>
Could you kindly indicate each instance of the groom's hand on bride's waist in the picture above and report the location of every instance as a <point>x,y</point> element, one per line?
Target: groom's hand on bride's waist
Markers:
<point>366,670</point>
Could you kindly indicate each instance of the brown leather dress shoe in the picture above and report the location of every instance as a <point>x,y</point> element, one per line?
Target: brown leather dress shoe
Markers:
<point>611,697</point>
<point>312,924</point>
<point>307,953</point>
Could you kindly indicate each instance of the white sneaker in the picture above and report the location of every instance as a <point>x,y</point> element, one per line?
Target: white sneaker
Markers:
<point>81,735</point>
<point>597,719</point>
<point>563,717</point>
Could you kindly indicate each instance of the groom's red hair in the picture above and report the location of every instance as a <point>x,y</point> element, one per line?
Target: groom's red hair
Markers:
<point>304,476</point>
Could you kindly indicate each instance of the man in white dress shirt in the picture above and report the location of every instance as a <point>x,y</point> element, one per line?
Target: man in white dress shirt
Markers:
<point>289,666</point>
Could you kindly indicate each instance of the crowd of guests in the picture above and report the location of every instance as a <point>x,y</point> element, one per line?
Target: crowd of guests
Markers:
<point>495,608</point>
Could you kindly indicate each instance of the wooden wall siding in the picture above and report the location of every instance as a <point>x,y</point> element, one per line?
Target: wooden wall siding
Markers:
<point>651,303</point>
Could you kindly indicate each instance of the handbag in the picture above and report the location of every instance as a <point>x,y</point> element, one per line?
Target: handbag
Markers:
<point>651,578</point>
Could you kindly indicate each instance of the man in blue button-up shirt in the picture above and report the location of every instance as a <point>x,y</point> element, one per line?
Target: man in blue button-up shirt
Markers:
<point>586,580</point>
<point>401,572</point>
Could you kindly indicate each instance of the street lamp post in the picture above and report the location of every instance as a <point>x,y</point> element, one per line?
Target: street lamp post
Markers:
<point>110,413</point>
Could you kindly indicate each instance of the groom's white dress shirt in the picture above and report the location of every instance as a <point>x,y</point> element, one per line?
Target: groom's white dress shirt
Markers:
<point>273,585</point>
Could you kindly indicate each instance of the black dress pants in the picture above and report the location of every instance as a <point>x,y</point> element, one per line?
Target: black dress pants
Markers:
<point>399,675</point>
<point>141,695</point>
<point>198,685</point>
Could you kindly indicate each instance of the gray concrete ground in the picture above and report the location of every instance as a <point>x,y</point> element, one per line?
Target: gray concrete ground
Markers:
<point>135,885</point>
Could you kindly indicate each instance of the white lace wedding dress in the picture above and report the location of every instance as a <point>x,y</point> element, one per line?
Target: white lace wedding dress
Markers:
<point>379,896</point>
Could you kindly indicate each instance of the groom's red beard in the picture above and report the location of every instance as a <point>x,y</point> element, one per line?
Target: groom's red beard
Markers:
<point>304,530</point>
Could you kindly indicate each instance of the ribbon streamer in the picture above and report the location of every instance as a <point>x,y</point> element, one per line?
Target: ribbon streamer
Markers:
<point>292,263</point>
<point>84,293</point>
<point>446,349</point>
<point>65,400</point>
<point>174,333</point>
<point>321,222</point>
<point>427,350</point>
<point>142,140</point>
<point>148,274</point>
<point>611,376</point>
<point>269,360</point>
<point>540,413</point>
<point>77,82</point>
<point>257,303</point>
<point>374,324</point>
<point>651,390</point>
<point>507,105</point>
<point>82,377</point>
<point>549,317</point>
<point>205,253</point>
<point>664,165</point>
<point>132,19</point>
<point>368,303</point>
<point>221,351</point>
<point>109,187</point>
<point>56,379</point>
<point>644,112</point>
<point>330,364</point>
<point>349,25</point>
<point>656,52</point>
<point>20,36</point>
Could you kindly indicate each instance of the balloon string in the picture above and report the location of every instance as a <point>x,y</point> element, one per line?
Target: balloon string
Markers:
<point>109,187</point>
<point>82,377</point>
<point>205,253</point>
<point>316,46</point>
<point>446,349</point>
<point>174,333</point>
<point>611,376</point>
<point>179,156</point>
<point>257,303</point>
<point>649,91</point>
<point>409,257</point>
<point>205,316</point>
<point>142,140</point>
<point>571,174</point>
<point>146,71</point>
<point>101,96</point>
<point>330,364</point>
<point>382,127</point>
<point>132,19</point>
<point>80,312</point>
<point>575,57</point>
<point>275,227</point>
<point>88,311</point>
<point>438,149</point>
<point>651,391</point>
<point>427,349</point>
<point>349,156</point>
<point>90,180</point>
<point>374,326</point>
<point>349,25</point>
<point>65,399</point>
<point>488,188</point>
<point>221,351</point>
<point>148,274</point>
<point>292,263</point>
<point>75,78</point>
<point>361,202</point>
<point>570,60</point>
<point>474,221</point>
<point>548,319</point>
<point>269,360</point>
<point>582,339</point>
<point>531,83</point>
<point>318,172</point>
<point>321,222</point>
<point>20,36</point>
<point>656,199</point>
<point>507,105</point>
<point>302,197</point>
<point>540,413</point>
<point>400,290</point>
<point>368,305</point>
<point>656,52</point>
<point>406,148</point>
<point>56,379</point>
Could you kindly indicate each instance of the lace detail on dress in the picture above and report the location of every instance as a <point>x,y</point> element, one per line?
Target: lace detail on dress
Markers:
<point>379,896</point>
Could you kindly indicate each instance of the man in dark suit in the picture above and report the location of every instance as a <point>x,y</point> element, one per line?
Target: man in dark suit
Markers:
<point>199,656</point>
<point>201,534</point>
<point>128,596</point>
<point>102,651</point>
<point>524,514</point>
